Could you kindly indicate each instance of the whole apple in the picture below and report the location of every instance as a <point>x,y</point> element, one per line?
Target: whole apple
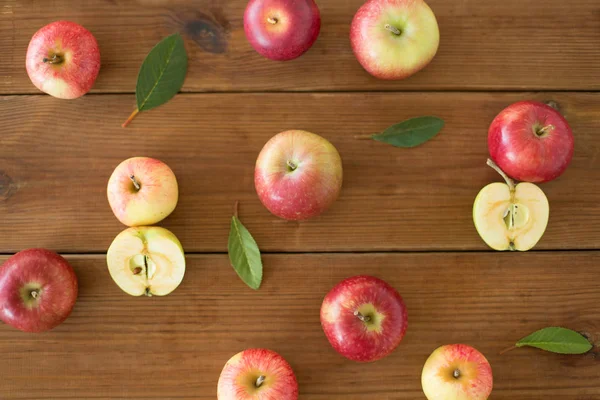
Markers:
<point>393,39</point>
<point>298,175</point>
<point>457,372</point>
<point>257,374</point>
<point>38,289</point>
<point>142,191</point>
<point>281,29</point>
<point>364,318</point>
<point>63,60</point>
<point>531,142</point>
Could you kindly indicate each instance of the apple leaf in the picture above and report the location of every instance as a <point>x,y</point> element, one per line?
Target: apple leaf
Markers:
<point>244,254</point>
<point>161,75</point>
<point>412,132</point>
<point>557,340</point>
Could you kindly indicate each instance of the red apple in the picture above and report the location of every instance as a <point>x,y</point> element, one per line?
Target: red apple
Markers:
<point>531,142</point>
<point>298,175</point>
<point>457,372</point>
<point>38,289</point>
<point>393,39</point>
<point>63,60</point>
<point>282,29</point>
<point>142,191</point>
<point>257,374</point>
<point>364,318</point>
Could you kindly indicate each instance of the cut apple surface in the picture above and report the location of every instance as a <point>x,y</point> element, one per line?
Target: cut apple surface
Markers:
<point>146,261</point>
<point>509,216</point>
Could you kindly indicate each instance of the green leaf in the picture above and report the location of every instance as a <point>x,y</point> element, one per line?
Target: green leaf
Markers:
<point>412,132</point>
<point>244,254</point>
<point>557,340</point>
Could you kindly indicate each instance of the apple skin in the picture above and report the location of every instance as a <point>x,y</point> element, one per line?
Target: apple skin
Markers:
<point>153,202</point>
<point>521,152</point>
<point>240,374</point>
<point>394,55</point>
<point>75,75</point>
<point>310,188</point>
<point>348,334</point>
<point>282,30</point>
<point>474,380</point>
<point>51,278</point>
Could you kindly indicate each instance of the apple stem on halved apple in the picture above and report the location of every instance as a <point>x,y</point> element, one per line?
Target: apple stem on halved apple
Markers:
<point>55,59</point>
<point>260,381</point>
<point>363,318</point>
<point>131,117</point>
<point>509,181</point>
<point>393,29</point>
<point>136,184</point>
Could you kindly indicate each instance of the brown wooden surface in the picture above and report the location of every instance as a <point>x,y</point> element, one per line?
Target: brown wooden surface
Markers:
<point>116,346</point>
<point>497,45</point>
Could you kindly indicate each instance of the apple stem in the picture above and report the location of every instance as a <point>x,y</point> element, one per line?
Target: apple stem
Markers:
<point>34,294</point>
<point>235,208</point>
<point>509,181</point>
<point>55,59</point>
<point>136,184</point>
<point>131,117</point>
<point>363,318</point>
<point>260,380</point>
<point>456,373</point>
<point>272,20</point>
<point>393,29</point>
<point>544,130</point>
<point>292,165</point>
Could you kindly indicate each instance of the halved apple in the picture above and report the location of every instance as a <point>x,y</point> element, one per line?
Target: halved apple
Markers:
<point>146,260</point>
<point>509,216</point>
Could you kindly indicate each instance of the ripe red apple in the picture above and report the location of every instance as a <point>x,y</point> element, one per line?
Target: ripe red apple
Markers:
<point>257,374</point>
<point>63,60</point>
<point>38,289</point>
<point>531,142</point>
<point>457,372</point>
<point>281,29</point>
<point>364,318</point>
<point>142,191</point>
<point>298,175</point>
<point>393,39</point>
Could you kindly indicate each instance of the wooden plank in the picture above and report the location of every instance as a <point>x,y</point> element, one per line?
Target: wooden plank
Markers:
<point>485,44</point>
<point>117,346</point>
<point>56,157</point>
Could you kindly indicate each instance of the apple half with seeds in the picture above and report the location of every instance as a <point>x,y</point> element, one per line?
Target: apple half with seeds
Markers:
<point>510,216</point>
<point>146,260</point>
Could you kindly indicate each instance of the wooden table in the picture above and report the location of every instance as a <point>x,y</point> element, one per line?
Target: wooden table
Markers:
<point>403,215</point>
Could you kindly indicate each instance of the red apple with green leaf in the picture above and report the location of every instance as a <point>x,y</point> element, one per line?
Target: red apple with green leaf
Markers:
<point>364,318</point>
<point>63,60</point>
<point>38,289</point>
<point>257,374</point>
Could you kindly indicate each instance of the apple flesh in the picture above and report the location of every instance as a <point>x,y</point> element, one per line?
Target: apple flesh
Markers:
<point>393,39</point>
<point>457,372</point>
<point>38,289</point>
<point>146,260</point>
<point>509,216</point>
<point>298,175</point>
<point>63,60</point>
<point>364,318</point>
<point>531,142</point>
<point>256,374</point>
<point>142,191</point>
<point>281,29</point>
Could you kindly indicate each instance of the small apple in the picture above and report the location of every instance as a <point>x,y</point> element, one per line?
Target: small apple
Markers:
<point>364,318</point>
<point>281,29</point>
<point>63,60</point>
<point>38,289</point>
<point>257,374</point>
<point>142,191</point>
<point>509,216</point>
<point>146,260</point>
<point>457,372</point>
<point>393,39</point>
<point>531,142</point>
<point>298,175</point>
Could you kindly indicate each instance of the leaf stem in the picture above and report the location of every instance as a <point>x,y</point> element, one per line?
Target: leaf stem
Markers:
<point>508,349</point>
<point>509,181</point>
<point>131,117</point>
<point>363,137</point>
<point>236,206</point>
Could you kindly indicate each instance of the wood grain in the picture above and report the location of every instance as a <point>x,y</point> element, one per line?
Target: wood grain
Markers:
<point>490,45</point>
<point>118,347</point>
<point>56,157</point>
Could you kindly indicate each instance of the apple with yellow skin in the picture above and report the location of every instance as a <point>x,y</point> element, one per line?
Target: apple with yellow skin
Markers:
<point>63,60</point>
<point>457,372</point>
<point>142,191</point>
